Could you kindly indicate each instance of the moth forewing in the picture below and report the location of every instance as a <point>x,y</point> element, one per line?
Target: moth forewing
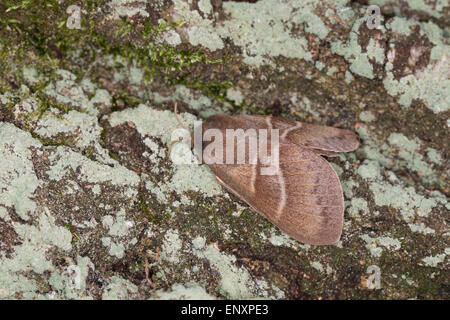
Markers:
<point>303,196</point>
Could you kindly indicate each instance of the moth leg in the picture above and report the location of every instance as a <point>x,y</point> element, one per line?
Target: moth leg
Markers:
<point>171,145</point>
<point>325,153</point>
<point>175,111</point>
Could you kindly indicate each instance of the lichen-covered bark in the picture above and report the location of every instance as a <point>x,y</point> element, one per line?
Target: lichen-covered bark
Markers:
<point>92,207</point>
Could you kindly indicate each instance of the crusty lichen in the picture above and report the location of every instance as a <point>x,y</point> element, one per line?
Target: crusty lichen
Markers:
<point>90,201</point>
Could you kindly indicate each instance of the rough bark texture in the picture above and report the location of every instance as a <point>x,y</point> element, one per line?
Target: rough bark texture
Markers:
<point>89,200</point>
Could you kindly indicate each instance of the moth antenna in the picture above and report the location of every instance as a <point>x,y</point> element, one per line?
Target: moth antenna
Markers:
<point>175,111</point>
<point>178,119</point>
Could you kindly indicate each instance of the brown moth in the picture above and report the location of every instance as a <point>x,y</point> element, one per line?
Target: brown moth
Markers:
<point>303,197</point>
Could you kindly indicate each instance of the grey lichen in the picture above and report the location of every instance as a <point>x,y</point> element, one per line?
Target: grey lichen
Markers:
<point>17,177</point>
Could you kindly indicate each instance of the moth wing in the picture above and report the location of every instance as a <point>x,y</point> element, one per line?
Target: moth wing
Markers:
<point>324,139</point>
<point>304,199</point>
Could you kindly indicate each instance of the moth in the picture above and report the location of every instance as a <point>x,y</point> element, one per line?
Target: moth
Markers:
<point>298,190</point>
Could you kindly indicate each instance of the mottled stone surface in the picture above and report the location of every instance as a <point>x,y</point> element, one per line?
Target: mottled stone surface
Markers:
<point>91,207</point>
